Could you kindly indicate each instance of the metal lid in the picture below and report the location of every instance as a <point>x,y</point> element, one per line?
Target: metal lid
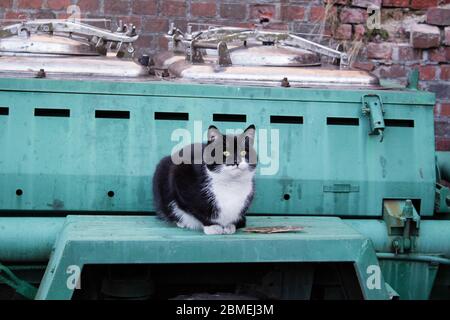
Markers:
<point>45,45</point>
<point>73,66</point>
<point>210,72</point>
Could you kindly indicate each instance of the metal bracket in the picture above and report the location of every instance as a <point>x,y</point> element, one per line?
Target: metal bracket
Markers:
<point>372,107</point>
<point>403,223</point>
<point>22,287</point>
<point>442,199</point>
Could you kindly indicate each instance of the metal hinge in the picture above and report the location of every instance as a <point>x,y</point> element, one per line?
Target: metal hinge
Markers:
<point>372,107</point>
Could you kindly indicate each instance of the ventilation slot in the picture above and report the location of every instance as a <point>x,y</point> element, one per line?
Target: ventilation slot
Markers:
<point>343,121</point>
<point>403,123</point>
<point>229,117</point>
<point>286,119</point>
<point>112,114</point>
<point>183,116</point>
<point>4,111</point>
<point>61,113</point>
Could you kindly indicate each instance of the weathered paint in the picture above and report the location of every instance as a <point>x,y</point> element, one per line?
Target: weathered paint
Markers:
<point>71,163</point>
<point>146,240</point>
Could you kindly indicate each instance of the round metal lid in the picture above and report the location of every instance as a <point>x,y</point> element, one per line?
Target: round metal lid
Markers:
<point>72,66</point>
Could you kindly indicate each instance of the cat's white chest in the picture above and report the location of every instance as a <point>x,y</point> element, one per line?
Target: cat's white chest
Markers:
<point>230,195</point>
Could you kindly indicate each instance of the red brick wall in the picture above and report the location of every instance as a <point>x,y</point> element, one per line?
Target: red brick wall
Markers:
<point>389,54</point>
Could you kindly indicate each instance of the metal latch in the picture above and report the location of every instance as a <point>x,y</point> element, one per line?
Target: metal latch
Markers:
<point>403,222</point>
<point>373,108</point>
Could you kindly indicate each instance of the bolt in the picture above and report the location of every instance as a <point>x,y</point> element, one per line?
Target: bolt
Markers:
<point>285,83</point>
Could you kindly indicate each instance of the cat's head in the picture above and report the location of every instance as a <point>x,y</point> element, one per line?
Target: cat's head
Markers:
<point>232,154</point>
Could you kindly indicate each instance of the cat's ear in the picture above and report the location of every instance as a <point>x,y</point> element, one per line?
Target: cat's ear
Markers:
<point>213,133</point>
<point>250,133</point>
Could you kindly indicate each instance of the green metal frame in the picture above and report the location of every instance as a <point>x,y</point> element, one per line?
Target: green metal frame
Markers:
<point>346,172</point>
<point>88,240</point>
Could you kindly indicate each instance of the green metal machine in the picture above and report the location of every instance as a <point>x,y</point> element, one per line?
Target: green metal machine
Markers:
<point>354,166</point>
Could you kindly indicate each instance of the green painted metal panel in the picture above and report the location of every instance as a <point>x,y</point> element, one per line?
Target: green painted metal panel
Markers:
<point>411,280</point>
<point>88,240</point>
<point>71,163</point>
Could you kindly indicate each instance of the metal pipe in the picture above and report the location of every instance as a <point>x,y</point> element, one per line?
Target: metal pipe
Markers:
<point>28,239</point>
<point>413,257</point>
<point>443,162</point>
<point>32,239</point>
<point>434,235</point>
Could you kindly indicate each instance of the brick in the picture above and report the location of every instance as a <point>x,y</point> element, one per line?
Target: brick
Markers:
<point>441,127</point>
<point>441,89</point>
<point>396,3</point>
<point>233,11</point>
<point>16,15</point>
<point>438,16</point>
<point>6,4</point>
<point>445,72</point>
<point>203,9</point>
<point>135,20</point>
<point>58,4</point>
<point>441,54</point>
<point>351,15</point>
<point>379,51</point>
<point>163,43</point>
<point>44,14</point>
<point>292,12</point>
<point>30,4</point>
<point>316,14</point>
<point>442,144</point>
<point>427,73</point>
<point>155,25</point>
<point>408,53</point>
<point>282,26</point>
<point>144,41</point>
<point>447,36</point>
<point>343,32</point>
<point>359,30</point>
<point>88,5</point>
<point>260,11</point>
<point>425,36</point>
<point>423,4</point>
<point>116,7</point>
<point>145,7</point>
<point>366,66</point>
<point>173,8</point>
<point>394,71</point>
<point>366,3</point>
<point>445,109</point>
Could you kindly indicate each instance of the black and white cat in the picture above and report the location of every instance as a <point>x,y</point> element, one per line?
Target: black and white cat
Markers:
<point>212,194</point>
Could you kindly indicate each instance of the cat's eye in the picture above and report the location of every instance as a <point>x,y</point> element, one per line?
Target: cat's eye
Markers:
<point>226,153</point>
<point>243,153</point>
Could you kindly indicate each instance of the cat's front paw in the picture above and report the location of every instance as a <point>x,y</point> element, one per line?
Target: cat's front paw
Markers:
<point>230,229</point>
<point>213,229</point>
